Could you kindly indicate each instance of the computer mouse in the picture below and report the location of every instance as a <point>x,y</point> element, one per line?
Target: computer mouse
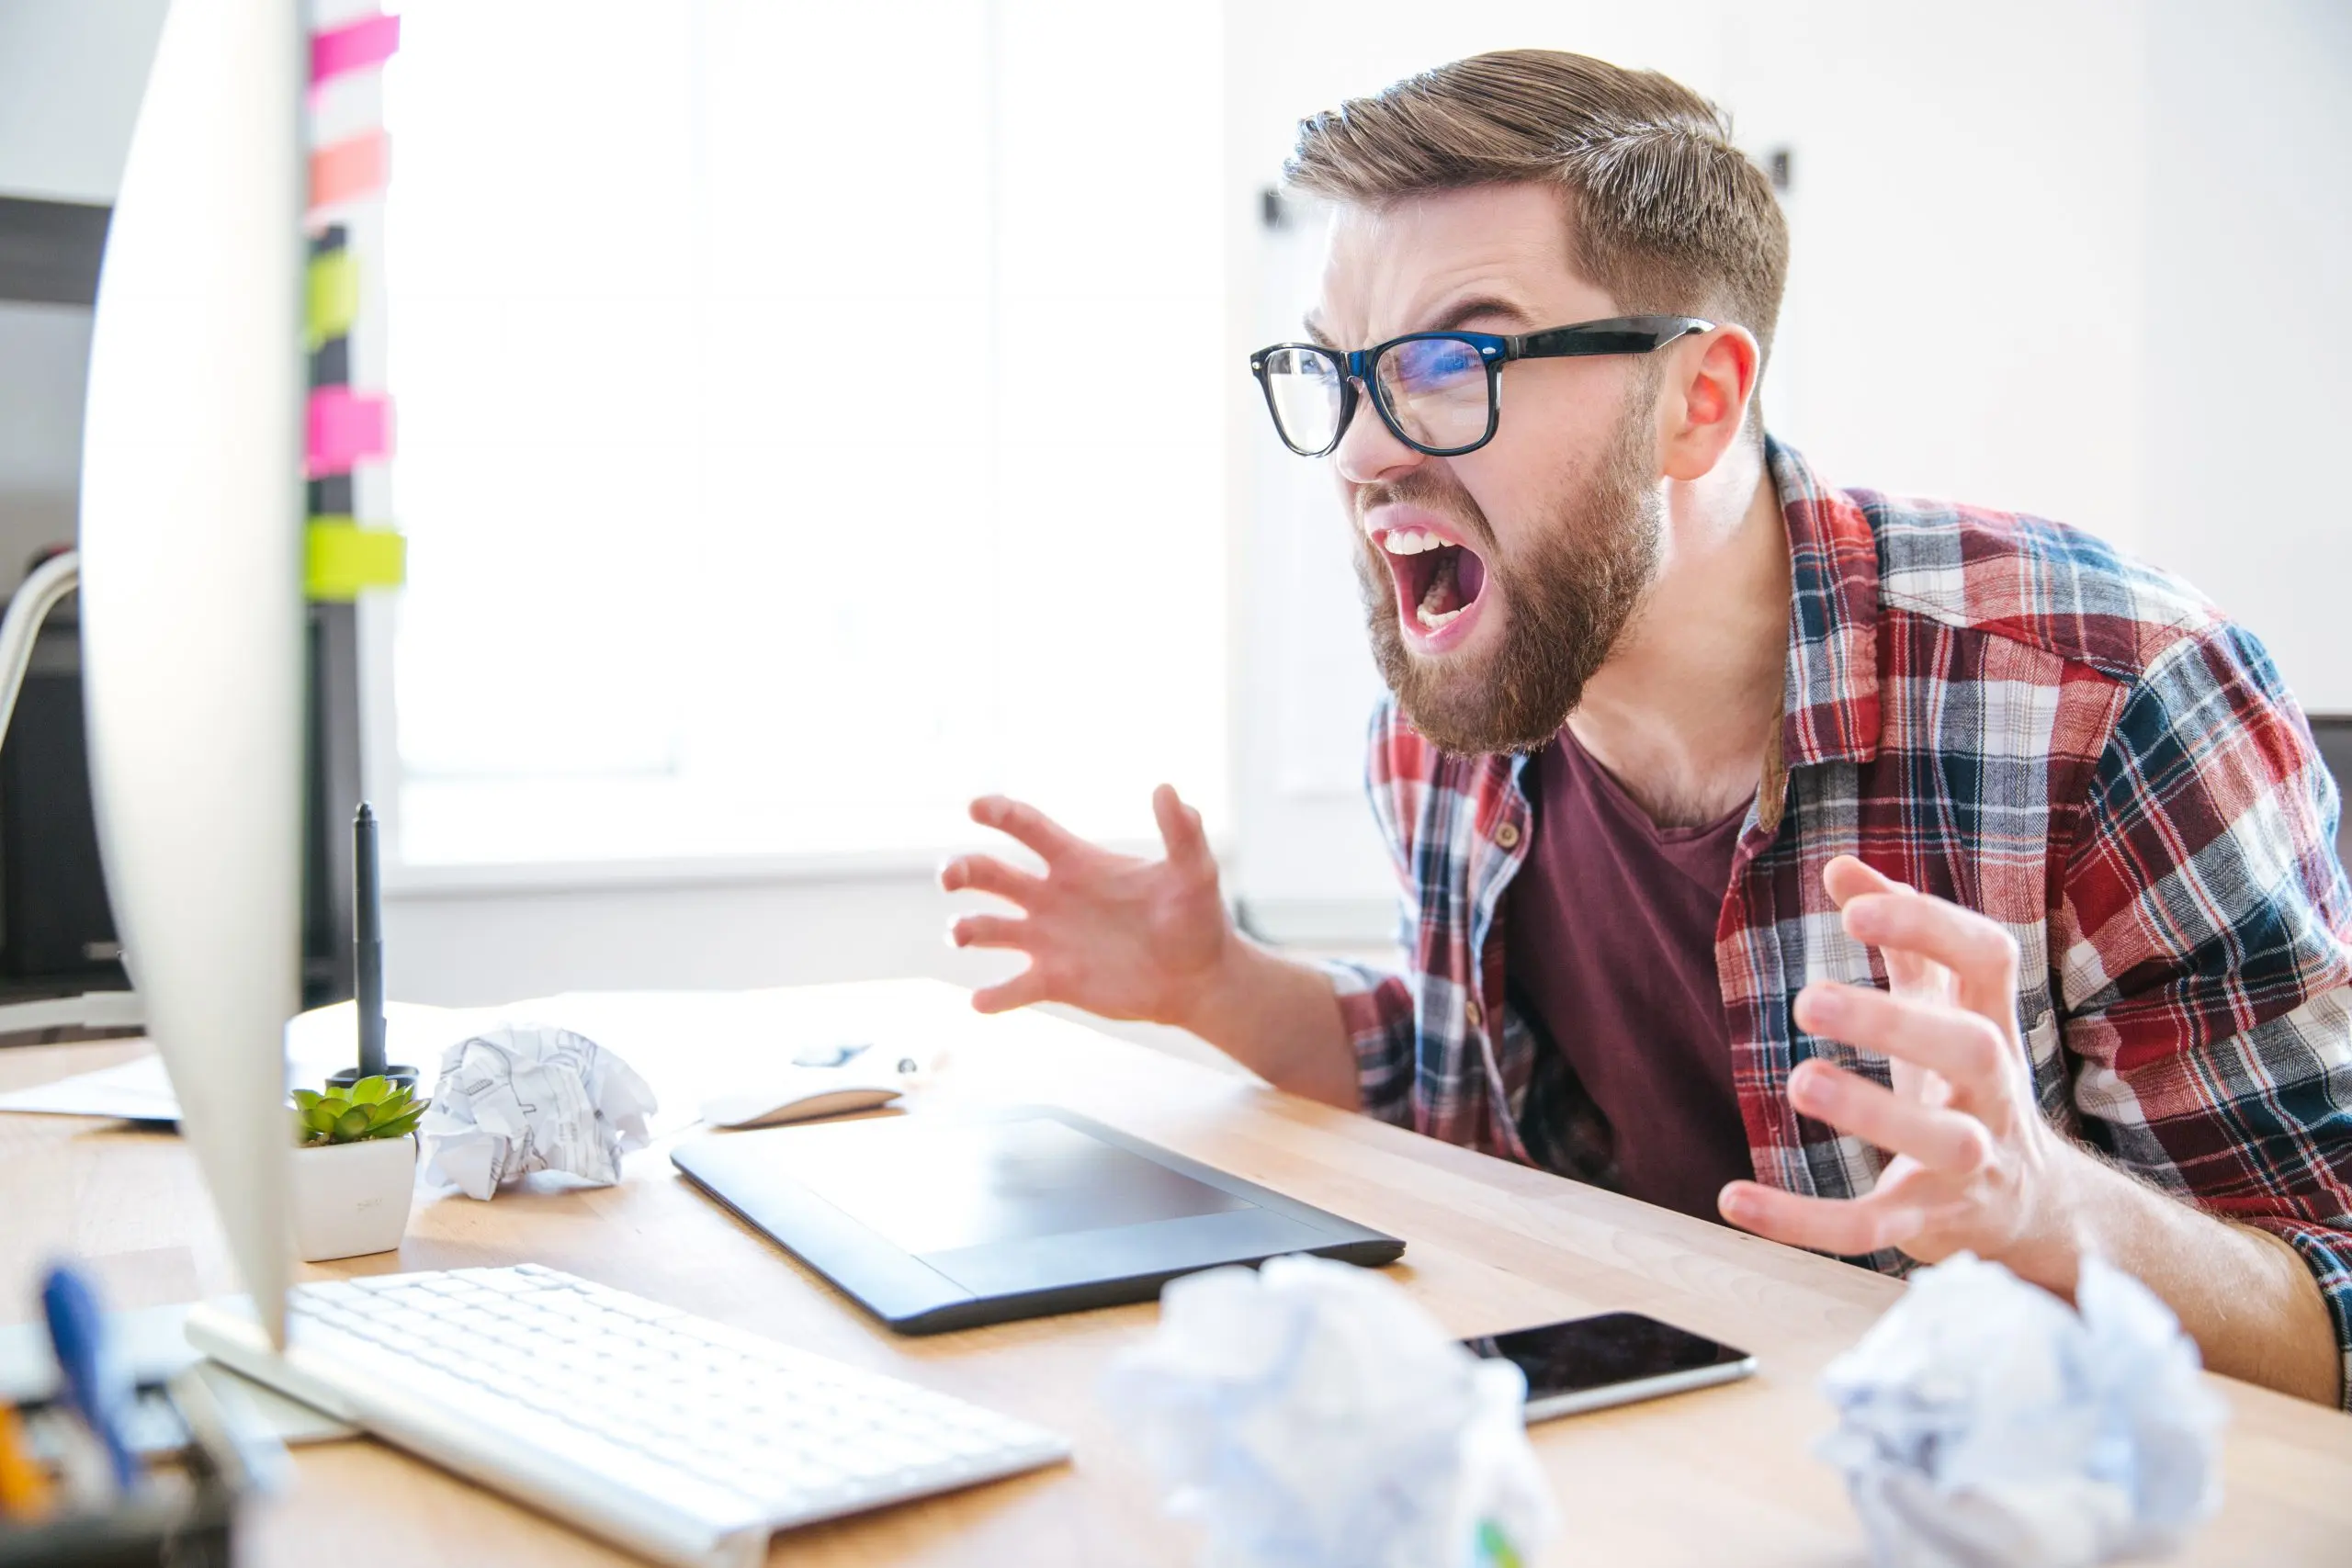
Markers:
<point>800,1094</point>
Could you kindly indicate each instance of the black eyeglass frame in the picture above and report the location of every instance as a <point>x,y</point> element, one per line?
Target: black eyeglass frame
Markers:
<point>1617,334</point>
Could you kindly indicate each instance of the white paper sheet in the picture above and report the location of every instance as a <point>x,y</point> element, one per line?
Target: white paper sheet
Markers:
<point>317,1043</point>
<point>138,1090</point>
<point>689,1046</point>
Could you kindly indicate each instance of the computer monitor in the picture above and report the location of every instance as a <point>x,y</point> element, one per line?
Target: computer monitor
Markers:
<point>191,540</point>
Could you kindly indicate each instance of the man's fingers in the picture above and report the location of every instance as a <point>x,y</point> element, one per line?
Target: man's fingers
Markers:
<point>1966,1049</point>
<point>1946,1141</point>
<point>1027,823</point>
<point>1847,879</point>
<point>1982,956</point>
<point>989,930</point>
<point>1181,831</point>
<point>1017,992</point>
<point>986,874</point>
<point>1846,1226</point>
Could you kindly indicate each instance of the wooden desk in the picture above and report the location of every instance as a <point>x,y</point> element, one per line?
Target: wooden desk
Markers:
<point>1719,1477</point>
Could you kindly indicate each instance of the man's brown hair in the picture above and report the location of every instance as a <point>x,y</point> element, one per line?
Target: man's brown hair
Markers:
<point>1667,215</point>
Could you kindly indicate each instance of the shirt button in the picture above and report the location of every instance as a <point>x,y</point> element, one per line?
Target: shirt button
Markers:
<point>1507,835</point>
<point>1477,1014</point>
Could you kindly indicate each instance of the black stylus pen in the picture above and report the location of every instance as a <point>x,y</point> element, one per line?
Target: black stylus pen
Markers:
<point>367,936</point>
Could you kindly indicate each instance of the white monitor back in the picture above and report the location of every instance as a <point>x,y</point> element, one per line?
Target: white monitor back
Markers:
<point>191,595</point>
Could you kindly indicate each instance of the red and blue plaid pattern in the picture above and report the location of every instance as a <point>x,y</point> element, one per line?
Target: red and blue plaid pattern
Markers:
<point>2009,714</point>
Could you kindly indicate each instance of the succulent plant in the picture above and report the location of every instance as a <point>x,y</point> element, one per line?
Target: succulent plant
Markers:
<point>372,1107</point>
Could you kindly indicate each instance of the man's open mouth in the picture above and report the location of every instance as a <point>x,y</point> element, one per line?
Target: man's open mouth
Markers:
<point>1437,580</point>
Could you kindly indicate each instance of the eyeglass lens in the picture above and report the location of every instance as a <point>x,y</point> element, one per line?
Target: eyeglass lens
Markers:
<point>1304,387</point>
<point>1436,390</point>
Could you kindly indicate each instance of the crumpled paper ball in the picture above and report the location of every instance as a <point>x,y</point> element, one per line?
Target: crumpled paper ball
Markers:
<point>527,1097</point>
<point>1310,1415</point>
<point>1984,1424</point>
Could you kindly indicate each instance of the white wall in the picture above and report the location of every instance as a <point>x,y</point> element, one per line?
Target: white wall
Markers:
<point>1967,211</point>
<point>2247,318</point>
<point>462,949</point>
<point>70,73</point>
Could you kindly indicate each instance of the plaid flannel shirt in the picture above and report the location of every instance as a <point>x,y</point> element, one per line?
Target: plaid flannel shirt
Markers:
<point>2009,714</point>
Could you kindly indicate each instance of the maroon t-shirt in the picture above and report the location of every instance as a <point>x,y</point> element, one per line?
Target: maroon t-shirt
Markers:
<point>1609,942</point>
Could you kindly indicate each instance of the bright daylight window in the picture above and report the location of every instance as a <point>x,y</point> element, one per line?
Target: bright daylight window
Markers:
<point>809,416</point>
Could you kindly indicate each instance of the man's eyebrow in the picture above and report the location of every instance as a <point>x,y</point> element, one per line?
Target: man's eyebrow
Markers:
<point>1471,309</point>
<point>1452,317</point>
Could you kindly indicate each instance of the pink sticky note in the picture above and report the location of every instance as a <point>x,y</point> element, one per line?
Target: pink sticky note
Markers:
<point>350,169</point>
<point>347,427</point>
<point>362,45</point>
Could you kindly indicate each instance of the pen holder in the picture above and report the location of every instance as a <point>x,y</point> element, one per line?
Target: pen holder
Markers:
<point>182,1515</point>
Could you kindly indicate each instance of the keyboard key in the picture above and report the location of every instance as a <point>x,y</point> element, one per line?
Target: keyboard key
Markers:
<point>373,1283</point>
<point>632,1306</point>
<point>501,1281</point>
<point>337,1292</point>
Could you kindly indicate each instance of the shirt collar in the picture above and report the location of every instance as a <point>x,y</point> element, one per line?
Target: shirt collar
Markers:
<point>1831,711</point>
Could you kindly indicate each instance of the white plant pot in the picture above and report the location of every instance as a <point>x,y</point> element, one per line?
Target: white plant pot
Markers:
<point>352,1197</point>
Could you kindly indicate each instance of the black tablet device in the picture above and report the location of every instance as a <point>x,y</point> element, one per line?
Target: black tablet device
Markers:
<point>934,1221</point>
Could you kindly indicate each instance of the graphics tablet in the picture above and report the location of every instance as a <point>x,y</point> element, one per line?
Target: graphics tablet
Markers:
<point>947,1220</point>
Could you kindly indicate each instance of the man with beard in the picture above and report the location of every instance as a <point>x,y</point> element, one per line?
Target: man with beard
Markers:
<point>1887,878</point>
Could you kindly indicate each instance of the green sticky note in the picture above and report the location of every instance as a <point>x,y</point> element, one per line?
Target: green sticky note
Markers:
<point>343,558</point>
<point>333,296</point>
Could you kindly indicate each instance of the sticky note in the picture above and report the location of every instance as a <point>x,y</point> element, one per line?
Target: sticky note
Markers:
<point>347,427</point>
<point>362,45</point>
<point>331,297</point>
<point>351,168</point>
<point>341,557</point>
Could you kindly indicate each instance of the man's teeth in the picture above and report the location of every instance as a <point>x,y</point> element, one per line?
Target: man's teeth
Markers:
<point>1433,619</point>
<point>1406,542</point>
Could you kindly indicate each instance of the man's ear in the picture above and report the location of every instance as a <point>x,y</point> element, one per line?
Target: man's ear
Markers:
<point>1710,382</point>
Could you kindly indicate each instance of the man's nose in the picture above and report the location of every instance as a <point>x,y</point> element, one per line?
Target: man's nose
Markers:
<point>1369,451</point>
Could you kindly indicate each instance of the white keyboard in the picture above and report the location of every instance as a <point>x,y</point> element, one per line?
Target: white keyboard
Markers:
<point>682,1440</point>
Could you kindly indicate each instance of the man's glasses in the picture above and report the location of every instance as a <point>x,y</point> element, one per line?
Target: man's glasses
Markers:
<point>1439,392</point>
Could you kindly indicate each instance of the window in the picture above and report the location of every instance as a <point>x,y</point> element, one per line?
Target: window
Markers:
<point>809,417</point>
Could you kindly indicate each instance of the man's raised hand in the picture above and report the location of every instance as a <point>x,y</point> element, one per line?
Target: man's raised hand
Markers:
<point>1975,1164</point>
<point>1117,935</point>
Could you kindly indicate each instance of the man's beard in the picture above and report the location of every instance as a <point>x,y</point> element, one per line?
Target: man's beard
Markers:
<point>1567,601</point>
